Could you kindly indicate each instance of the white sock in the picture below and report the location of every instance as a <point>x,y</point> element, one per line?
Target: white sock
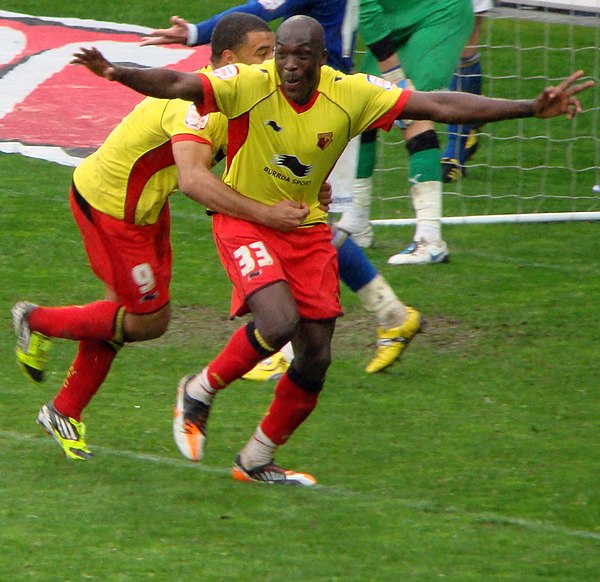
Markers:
<point>378,298</point>
<point>288,351</point>
<point>427,203</point>
<point>258,451</point>
<point>357,219</point>
<point>200,389</point>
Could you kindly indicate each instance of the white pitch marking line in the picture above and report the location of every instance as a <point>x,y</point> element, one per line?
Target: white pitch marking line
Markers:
<point>180,463</point>
<point>428,506</point>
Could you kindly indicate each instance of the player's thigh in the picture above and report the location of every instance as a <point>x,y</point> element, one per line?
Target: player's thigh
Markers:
<point>249,257</point>
<point>431,54</point>
<point>133,261</point>
<point>275,312</point>
<point>140,266</point>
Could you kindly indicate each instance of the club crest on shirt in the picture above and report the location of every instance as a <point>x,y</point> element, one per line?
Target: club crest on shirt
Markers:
<point>379,82</point>
<point>193,120</point>
<point>293,164</point>
<point>324,139</point>
<point>226,72</point>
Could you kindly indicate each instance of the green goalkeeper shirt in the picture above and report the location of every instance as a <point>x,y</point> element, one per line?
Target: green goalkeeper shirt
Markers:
<point>386,24</point>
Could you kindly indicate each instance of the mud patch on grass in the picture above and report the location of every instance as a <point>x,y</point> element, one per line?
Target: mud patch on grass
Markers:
<point>199,325</point>
<point>443,333</point>
<point>448,334</point>
<point>355,332</point>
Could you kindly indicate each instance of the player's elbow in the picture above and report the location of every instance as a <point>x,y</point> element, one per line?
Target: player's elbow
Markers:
<point>190,188</point>
<point>192,185</point>
<point>441,112</point>
<point>186,177</point>
<point>188,87</point>
<point>186,184</point>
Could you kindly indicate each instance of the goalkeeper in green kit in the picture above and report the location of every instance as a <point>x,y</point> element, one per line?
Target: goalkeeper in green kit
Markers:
<point>418,43</point>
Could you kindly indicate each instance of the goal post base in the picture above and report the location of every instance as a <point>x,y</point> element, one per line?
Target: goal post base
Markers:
<point>498,218</point>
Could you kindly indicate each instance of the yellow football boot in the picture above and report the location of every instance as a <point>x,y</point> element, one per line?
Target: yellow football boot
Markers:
<point>271,368</point>
<point>32,347</point>
<point>66,431</point>
<point>392,342</point>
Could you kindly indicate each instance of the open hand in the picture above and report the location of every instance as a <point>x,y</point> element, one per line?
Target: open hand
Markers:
<point>560,100</point>
<point>177,34</point>
<point>95,62</point>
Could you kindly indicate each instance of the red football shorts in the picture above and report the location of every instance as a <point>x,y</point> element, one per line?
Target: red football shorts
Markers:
<point>133,260</point>
<point>255,256</point>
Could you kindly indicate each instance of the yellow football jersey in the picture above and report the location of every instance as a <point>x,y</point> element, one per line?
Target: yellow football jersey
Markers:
<point>133,173</point>
<point>280,150</point>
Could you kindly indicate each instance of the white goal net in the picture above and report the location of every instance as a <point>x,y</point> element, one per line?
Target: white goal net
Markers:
<point>524,170</point>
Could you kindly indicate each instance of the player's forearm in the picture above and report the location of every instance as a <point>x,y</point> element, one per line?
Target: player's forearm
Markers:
<point>208,190</point>
<point>160,83</point>
<point>456,107</point>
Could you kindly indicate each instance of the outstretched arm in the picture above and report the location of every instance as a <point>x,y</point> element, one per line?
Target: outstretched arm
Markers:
<point>161,83</point>
<point>178,33</point>
<point>456,107</point>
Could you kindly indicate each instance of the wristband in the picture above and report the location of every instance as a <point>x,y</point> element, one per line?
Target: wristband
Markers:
<point>192,38</point>
<point>395,75</point>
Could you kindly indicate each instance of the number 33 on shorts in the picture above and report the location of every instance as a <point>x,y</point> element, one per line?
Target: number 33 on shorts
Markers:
<point>251,257</point>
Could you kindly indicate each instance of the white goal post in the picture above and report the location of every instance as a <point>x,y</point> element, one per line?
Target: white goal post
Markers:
<point>525,170</point>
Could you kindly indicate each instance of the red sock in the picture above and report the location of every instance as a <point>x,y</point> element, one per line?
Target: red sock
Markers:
<point>289,409</point>
<point>76,322</point>
<point>236,358</point>
<point>85,377</point>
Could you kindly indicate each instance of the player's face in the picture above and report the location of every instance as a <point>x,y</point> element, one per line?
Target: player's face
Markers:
<point>299,67</point>
<point>258,47</point>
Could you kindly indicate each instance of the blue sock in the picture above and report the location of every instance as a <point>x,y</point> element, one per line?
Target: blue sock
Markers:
<point>467,78</point>
<point>355,268</point>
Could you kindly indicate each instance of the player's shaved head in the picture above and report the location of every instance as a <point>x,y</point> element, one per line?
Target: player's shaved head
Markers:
<point>299,54</point>
<point>299,30</point>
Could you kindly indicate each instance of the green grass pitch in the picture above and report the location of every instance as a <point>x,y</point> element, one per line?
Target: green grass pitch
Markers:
<point>474,459</point>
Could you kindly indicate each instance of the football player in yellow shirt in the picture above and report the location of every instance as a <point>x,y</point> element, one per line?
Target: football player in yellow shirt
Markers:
<point>290,118</point>
<point>119,199</point>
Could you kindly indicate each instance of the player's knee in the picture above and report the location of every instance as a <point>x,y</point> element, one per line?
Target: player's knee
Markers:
<point>278,331</point>
<point>276,315</point>
<point>142,327</point>
<point>339,237</point>
<point>369,136</point>
<point>315,370</point>
<point>304,381</point>
<point>320,365</point>
<point>157,329</point>
<point>313,364</point>
<point>265,342</point>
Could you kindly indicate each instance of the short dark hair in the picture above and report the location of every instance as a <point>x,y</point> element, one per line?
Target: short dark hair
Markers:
<point>231,31</point>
